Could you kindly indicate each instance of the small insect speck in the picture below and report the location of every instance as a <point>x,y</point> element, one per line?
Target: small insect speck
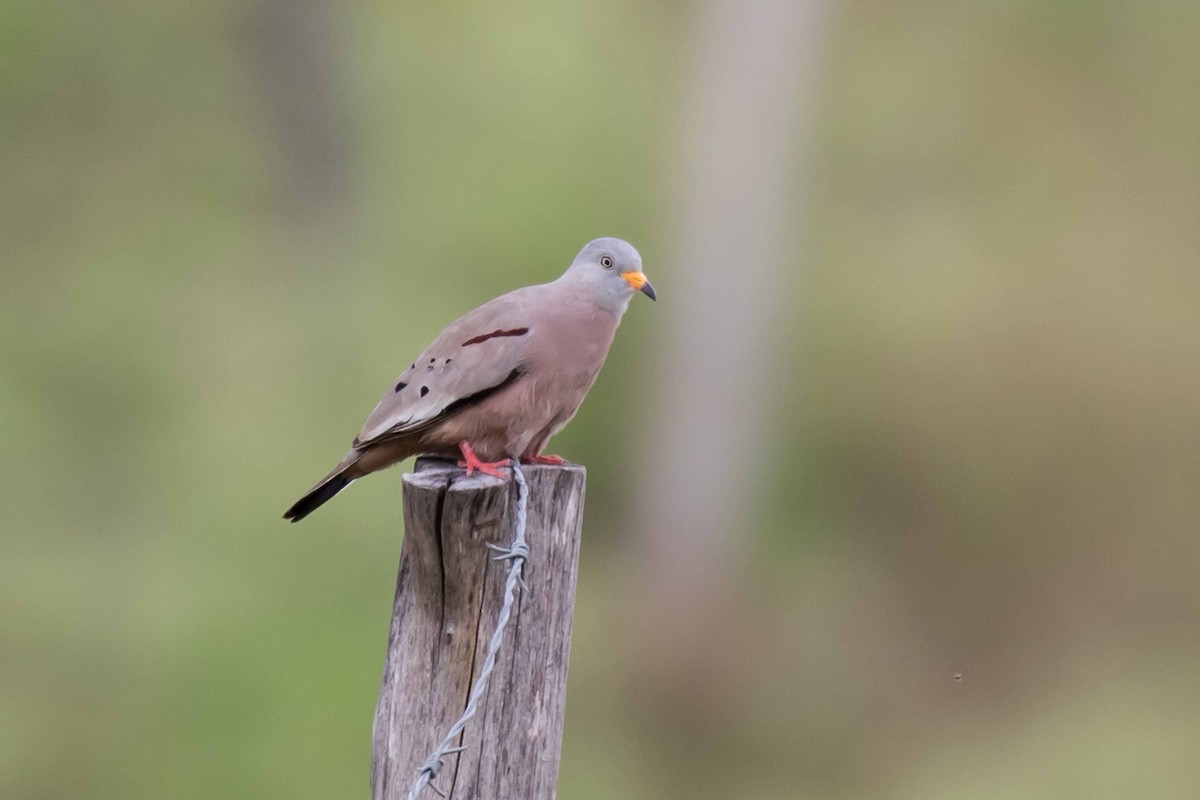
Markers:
<point>958,676</point>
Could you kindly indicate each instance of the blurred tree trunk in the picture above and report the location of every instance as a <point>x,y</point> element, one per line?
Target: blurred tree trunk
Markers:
<point>294,51</point>
<point>746,121</point>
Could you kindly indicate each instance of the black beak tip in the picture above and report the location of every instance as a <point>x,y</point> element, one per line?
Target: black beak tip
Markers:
<point>648,290</point>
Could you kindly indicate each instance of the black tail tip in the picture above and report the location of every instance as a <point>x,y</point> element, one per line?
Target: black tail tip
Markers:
<point>316,498</point>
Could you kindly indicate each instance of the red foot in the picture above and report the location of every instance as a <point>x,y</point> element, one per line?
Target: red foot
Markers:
<point>473,464</point>
<point>554,461</point>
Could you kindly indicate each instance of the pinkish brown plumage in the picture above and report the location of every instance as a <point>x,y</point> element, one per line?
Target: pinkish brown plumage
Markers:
<point>502,379</point>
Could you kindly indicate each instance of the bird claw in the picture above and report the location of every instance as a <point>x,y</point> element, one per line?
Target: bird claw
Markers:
<point>553,461</point>
<point>472,463</point>
<point>492,468</point>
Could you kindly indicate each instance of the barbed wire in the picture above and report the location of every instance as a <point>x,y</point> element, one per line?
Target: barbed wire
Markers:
<point>516,554</point>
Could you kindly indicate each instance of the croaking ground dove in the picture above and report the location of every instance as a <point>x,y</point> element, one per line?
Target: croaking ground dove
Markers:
<point>503,379</point>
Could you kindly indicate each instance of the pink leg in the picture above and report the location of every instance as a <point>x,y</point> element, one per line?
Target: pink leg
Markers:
<point>554,461</point>
<point>473,464</point>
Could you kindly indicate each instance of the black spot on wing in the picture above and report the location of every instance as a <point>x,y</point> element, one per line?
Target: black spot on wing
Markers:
<point>424,391</point>
<point>400,385</point>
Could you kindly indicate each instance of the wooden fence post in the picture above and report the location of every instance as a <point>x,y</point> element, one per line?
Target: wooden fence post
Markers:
<point>448,596</point>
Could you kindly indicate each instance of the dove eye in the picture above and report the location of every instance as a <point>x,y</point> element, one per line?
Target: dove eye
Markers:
<point>606,262</point>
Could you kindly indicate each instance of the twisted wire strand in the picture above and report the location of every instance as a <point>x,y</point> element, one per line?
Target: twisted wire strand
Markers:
<point>516,554</point>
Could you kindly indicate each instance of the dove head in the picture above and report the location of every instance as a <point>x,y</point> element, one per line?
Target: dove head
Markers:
<point>611,270</point>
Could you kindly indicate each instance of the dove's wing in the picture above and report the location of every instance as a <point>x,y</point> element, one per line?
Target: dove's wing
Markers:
<point>478,355</point>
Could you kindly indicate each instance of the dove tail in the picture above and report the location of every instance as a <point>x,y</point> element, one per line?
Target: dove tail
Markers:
<point>320,494</point>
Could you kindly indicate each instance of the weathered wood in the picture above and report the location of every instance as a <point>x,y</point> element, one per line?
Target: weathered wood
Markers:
<point>448,596</point>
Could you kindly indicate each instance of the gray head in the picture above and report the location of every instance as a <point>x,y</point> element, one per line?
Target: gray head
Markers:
<point>612,269</point>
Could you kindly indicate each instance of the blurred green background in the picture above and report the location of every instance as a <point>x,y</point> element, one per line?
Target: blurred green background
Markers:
<point>226,226</point>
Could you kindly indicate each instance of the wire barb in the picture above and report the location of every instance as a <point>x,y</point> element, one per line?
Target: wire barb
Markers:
<point>516,554</point>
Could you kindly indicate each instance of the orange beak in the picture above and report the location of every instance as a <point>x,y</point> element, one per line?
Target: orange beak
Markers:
<point>638,281</point>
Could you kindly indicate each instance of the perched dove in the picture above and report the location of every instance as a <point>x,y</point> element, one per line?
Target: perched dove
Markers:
<point>503,379</point>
